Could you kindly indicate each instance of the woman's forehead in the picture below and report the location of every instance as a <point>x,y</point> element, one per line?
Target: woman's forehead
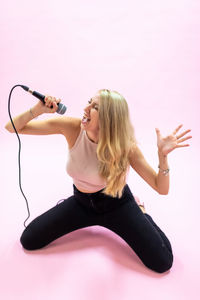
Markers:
<point>96,98</point>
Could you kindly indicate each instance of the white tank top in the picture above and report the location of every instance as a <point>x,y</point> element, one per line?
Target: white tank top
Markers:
<point>82,164</point>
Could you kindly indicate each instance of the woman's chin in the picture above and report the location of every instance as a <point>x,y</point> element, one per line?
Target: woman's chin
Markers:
<point>83,126</point>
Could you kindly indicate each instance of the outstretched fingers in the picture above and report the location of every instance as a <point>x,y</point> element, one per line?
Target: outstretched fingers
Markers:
<point>177,129</point>
<point>187,138</point>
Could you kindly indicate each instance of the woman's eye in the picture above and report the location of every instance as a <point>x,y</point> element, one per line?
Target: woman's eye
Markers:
<point>89,101</point>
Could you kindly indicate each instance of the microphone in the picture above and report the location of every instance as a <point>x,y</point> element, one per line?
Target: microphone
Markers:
<point>61,107</point>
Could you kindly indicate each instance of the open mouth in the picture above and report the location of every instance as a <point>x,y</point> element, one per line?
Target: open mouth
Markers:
<point>85,120</point>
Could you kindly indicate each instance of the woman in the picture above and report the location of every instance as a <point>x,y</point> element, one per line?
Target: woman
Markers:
<point>102,147</point>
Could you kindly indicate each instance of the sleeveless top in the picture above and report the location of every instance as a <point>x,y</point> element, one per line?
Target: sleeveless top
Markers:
<point>82,164</point>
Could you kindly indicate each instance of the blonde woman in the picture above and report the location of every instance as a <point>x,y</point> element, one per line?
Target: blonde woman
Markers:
<point>102,147</point>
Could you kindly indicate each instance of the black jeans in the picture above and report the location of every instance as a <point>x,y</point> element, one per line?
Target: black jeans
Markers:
<point>121,215</point>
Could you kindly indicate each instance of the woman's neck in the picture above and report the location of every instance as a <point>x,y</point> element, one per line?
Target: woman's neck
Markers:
<point>92,137</point>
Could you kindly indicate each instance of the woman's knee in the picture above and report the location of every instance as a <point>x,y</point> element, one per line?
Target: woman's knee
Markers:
<point>26,241</point>
<point>30,240</point>
<point>162,265</point>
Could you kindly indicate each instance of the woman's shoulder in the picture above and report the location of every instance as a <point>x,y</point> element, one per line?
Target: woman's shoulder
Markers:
<point>72,130</point>
<point>71,123</point>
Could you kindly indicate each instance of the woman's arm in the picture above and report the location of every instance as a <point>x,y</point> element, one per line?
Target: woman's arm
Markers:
<point>158,181</point>
<point>165,146</point>
<point>141,166</point>
<point>162,181</point>
<point>21,120</point>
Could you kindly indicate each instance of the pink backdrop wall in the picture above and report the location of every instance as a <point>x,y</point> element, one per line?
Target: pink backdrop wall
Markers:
<point>149,52</point>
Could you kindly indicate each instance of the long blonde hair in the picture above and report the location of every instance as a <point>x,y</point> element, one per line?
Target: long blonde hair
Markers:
<point>116,139</point>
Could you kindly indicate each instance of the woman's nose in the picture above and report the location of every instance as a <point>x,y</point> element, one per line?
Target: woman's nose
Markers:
<point>87,108</point>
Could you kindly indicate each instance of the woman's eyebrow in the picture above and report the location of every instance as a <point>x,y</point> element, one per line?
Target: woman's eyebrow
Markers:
<point>94,102</point>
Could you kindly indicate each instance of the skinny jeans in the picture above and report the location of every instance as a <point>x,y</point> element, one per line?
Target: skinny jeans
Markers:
<point>120,215</point>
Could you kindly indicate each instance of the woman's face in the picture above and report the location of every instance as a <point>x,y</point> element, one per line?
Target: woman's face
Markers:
<point>92,112</point>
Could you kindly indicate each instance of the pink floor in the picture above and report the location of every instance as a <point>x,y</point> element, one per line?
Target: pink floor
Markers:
<point>149,52</point>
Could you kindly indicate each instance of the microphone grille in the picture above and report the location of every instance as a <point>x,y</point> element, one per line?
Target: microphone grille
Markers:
<point>61,109</point>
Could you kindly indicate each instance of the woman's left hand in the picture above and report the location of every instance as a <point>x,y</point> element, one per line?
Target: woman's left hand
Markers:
<point>170,142</point>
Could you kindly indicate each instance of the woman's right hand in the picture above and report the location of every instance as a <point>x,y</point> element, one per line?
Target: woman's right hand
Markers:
<point>41,108</point>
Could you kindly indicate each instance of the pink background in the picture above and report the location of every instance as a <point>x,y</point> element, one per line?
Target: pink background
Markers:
<point>149,52</point>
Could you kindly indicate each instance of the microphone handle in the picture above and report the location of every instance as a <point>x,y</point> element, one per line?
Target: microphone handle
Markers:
<point>61,107</point>
<point>34,93</point>
<point>40,97</point>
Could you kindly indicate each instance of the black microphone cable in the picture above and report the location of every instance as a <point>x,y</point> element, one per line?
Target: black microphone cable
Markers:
<point>60,110</point>
<point>18,152</point>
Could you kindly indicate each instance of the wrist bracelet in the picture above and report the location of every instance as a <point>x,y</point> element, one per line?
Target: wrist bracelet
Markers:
<point>32,114</point>
<point>165,172</point>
